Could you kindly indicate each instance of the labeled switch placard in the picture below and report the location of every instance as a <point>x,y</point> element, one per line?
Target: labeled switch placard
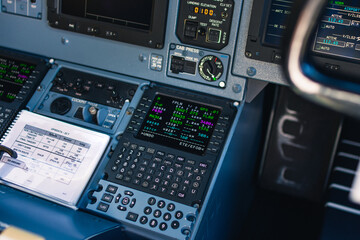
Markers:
<point>206,23</point>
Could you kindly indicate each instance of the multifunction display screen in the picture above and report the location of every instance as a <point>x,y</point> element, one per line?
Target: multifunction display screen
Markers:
<point>131,13</point>
<point>276,23</point>
<point>13,75</point>
<point>339,31</point>
<point>179,124</point>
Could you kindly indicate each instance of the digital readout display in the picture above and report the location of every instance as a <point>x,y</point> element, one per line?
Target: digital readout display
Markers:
<point>339,31</point>
<point>131,13</point>
<point>179,124</point>
<point>13,75</point>
<point>204,11</point>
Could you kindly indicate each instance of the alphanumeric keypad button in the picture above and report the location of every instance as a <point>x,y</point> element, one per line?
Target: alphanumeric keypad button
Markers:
<point>157,213</point>
<point>161,204</point>
<point>143,220</point>
<point>163,226</point>
<point>132,216</point>
<point>179,215</point>
<point>193,191</point>
<point>175,224</point>
<point>136,181</point>
<point>107,198</point>
<point>111,189</point>
<point>154,187</point>
<point>103,207</point>
<point>151,201</point>
<point>153,223</point>
<point>171,207</point>
<point>147,210</point>
<point>167,216</point>
<point>145,184</point>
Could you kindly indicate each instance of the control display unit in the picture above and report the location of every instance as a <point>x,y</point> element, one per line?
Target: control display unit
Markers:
<point>19,77</point>
<point>172,144</point>
<point>205,23</point>
<point>179,124</point>
<point>140,22</point>
<point>267,26</point>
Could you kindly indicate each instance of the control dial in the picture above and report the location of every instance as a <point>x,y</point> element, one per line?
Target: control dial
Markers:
<point>211,68</point>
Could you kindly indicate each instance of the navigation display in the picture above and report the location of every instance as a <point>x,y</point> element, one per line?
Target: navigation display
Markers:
<point>339,31</point>
<point>13,76</point>
<point>179,124</point>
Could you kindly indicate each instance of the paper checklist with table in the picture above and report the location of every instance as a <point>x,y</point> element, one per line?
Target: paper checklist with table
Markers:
<point>55,159</point>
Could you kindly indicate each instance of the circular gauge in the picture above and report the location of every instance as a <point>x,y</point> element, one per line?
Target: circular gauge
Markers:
<point>211,68</point>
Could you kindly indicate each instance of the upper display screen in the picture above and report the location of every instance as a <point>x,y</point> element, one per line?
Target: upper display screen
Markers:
<point>276,23</point>
<point>179,124</point>
<point>13,76</point>
<point>134,13</point>
<point>140,22</point>
<point>338,33</point>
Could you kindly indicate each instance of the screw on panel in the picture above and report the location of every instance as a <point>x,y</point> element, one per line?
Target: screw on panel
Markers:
<point>172,46</point>
<point>201,53</point>
<point>236,88</point>
<point>64,41</point>
<point>248,54</point>
<point>222,84</point>
<point>39,88</point>
<point>251,71</point>
<point>142,57</point>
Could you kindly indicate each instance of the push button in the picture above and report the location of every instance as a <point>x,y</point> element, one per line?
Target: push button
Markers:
<point>132,216</point>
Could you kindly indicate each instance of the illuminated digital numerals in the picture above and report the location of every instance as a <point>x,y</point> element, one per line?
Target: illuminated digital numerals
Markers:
<point>11,96</point>
<point>153,123</point>
<point>203,135</point>
<point>205,129</point>
<point>157,117</point>
<point>205,11</point>
<point>178,116</point>
<point>176,122</point>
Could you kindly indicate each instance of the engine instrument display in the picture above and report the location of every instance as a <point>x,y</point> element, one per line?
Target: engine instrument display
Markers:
<point>179,124</point>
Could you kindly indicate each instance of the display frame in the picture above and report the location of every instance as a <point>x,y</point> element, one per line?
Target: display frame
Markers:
<point>256,46</point>
<point>153,38</point>
<point>337,65</point>
<point>166,141</point>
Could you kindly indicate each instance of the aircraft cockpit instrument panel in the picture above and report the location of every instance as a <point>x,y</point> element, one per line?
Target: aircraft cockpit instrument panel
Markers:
<point>165,82</point>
